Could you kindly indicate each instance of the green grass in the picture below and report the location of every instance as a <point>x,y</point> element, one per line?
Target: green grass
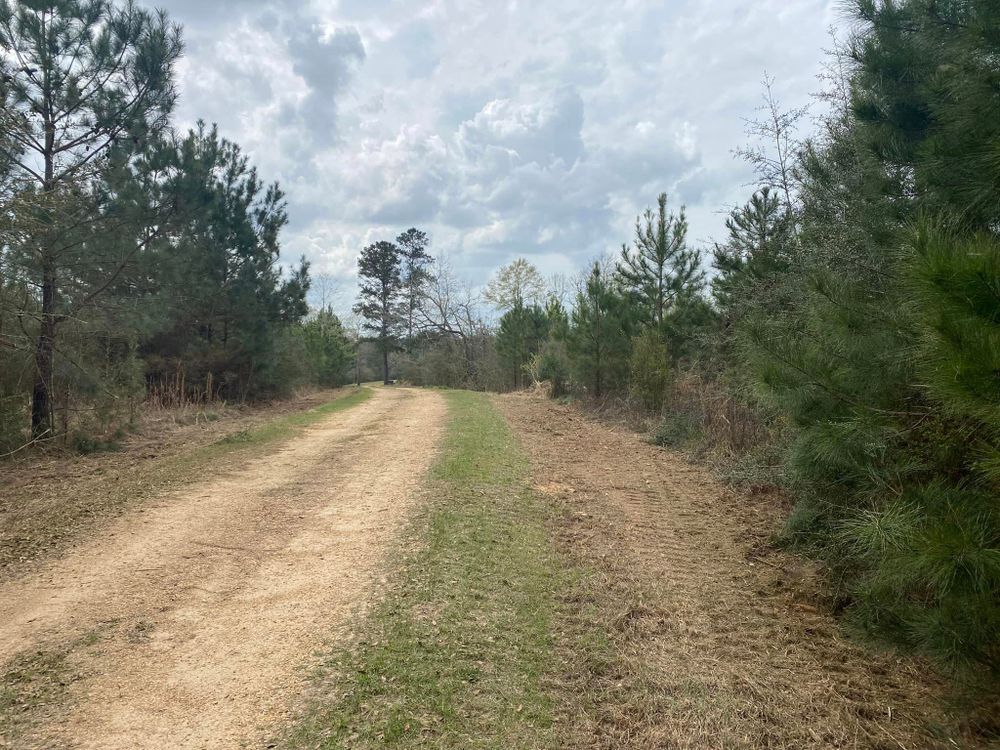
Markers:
<point>289,426</point>
<point>460,652</point>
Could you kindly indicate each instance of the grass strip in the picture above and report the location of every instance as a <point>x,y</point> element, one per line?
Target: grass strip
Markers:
<point>459,653</point>
<point>290,425</point>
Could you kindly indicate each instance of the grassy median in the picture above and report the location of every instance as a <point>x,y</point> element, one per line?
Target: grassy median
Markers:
<point>459,652</point>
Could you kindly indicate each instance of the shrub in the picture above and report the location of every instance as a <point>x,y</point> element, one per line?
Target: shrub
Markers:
<point>677,430</point>
<point>552,365</point>
<point>649,370</point>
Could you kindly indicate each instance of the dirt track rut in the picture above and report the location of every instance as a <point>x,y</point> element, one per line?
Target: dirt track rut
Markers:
<point>198,613</point>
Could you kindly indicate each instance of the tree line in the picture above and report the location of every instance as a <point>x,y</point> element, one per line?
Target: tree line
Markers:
<point>135,262</point>
<point>845,343</point>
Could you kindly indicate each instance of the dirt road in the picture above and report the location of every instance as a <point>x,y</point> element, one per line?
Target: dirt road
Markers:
<point>193,619</point>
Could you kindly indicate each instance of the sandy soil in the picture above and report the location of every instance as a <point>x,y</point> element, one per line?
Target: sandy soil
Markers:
<point>205,607</point>
<point>723,640</point>
<point>49,501</point>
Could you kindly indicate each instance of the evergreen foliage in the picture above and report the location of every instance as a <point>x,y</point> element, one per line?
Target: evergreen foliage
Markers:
<point>598,341</point>
<point>662,270</point>
<point>415,275</point>
<point>755,254</point>
<point>330,351</point>
<point>83,82</point>
<point>522,332</point>
<point>380,297</point>
<point>133,264</point>
<point>885,359</point>
<point>552,365</point>
<point>649,370</point>
<point>217,300</point>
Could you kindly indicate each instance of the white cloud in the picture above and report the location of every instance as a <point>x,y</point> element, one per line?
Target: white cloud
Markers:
<point>514,128</point>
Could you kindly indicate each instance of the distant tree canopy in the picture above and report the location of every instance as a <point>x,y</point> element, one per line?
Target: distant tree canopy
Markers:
<point>515,285</point>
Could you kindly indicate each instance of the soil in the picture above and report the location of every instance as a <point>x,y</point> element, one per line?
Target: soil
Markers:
<point>50,499</point>
<point>722,640</point>
<point>194,616</point>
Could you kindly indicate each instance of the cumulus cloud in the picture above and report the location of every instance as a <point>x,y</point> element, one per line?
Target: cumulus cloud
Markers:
<point>542,130</point>
<point>325,62</point>
<point>502,128</point>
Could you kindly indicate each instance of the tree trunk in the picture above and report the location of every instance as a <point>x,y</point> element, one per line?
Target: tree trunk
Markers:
<point>385,364</point>
<point>41,394</point>
<point>598,373</point>
<point>42,416</point>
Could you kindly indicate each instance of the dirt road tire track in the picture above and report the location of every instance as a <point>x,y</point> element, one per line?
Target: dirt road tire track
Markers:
<point>209,602</point>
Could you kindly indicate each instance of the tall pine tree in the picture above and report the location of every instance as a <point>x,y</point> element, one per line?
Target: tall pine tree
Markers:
<point>379,303</point>
<point>80,79</point>
<point>415,274</point>
<point>661,269</point>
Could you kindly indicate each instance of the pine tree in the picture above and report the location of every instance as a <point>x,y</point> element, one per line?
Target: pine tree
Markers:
<point>649,370</point>
<point>380,272</point>
<point>757,251</point>
<point>522,332</point>
<point>217,297</point>
<point>330,351</point>
<point>598,342</point>
<point>81,79</point>
<point>415,274</point>
<point>662,269</point>
<point>886,361</point>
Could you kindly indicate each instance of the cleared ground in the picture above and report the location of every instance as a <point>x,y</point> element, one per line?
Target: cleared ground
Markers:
<point>187,623</point>
<point>688,630</point>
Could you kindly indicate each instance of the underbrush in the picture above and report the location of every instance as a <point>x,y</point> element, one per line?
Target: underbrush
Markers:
<point>714,425</point>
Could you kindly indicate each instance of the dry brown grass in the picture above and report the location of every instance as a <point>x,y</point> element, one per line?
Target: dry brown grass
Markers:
<point>696,633</point>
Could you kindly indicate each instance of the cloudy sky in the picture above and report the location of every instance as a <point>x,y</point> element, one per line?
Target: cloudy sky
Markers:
<point>502,127</point>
